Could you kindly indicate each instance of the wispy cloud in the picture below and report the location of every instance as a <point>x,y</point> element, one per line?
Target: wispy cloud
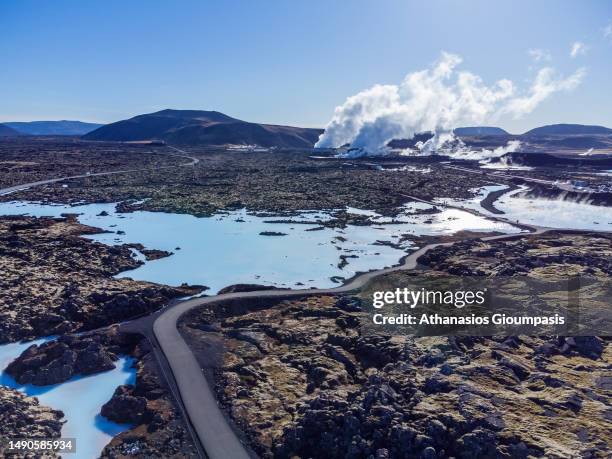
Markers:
<point>607,31</point>
<point>578,49</point>
<point>545,84</point>
<point>539,55</point>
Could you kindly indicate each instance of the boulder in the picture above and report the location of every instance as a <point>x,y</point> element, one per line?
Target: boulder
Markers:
<point>124,407</point>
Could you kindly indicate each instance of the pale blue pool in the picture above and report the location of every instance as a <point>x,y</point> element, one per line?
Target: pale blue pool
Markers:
<point>80,399</point>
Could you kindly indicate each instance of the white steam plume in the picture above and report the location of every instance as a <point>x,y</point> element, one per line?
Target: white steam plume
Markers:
<point>438,100</point>
<point>450,145</point>
<point>510,147</point>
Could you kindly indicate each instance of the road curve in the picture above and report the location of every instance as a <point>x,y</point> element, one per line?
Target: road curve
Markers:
<point>213,430</point>
<point>216,435</point>
<point>187,381</point>
<point>194,393</point>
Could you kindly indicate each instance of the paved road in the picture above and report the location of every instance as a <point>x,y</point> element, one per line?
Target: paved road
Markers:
<point>216,435</point>
<point>195,395</point>
<point>206,421</point>
<point>24,186</point>
<point>213,434</point>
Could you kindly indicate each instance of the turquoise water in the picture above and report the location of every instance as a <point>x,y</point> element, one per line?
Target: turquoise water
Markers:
<point>228,248</point>
<point>80,399</point>
<point>218,251</point>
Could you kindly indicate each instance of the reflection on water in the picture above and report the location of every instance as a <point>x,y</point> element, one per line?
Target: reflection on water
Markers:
<point>555,213</point>
<point>80,399</point>
<point>473,203</point>
<point>228,248</point>
<point>218,251</point>
<point>541,212</point>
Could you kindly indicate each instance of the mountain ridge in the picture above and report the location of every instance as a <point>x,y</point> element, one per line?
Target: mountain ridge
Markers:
<point>202,127</point>
<point>7,131</point>
<point>479,131</point>
<point>568,129</point>
<point>59,127</point>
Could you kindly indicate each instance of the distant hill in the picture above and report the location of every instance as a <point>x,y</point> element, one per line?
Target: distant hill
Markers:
<point>62,127</point>
<point>547,160</point>
<point>402,144</point>
<point>6,131</point>
<point>198,127</point>
<point>479,131</point>
<point>501,137</point>
<point>568,129</point>
<point>576,142</point>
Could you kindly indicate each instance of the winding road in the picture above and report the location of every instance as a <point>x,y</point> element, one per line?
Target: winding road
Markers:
<point>217,437</point>
<point>194,393</point>
<point>24,186</point>
<point>212,432</point>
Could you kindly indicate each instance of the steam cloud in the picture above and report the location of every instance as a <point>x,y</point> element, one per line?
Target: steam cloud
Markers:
<point>450,145</point>
<point>437,100</point>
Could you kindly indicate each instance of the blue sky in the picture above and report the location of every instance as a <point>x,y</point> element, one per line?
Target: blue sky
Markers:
<point>286,62</point>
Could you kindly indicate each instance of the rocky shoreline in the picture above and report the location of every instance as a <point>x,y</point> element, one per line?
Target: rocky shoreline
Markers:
<point>23,417</point>
<point>58,360</point>
<point>56,282</point>
<point>303,378</point>
<point>157,428</point>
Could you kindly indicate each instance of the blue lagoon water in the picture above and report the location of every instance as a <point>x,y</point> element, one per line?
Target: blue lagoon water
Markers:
<point>218,251</point>
<point>80,399</point>
<point>228,248</point>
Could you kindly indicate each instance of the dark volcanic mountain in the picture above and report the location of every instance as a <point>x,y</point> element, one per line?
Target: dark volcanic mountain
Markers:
<point>6,131</point>
<point>568,129</point>
<point>62,127</point>
<point>197,127</point>
<point>479,131</point>
<point>410,143</point>
<point>547,160</point>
